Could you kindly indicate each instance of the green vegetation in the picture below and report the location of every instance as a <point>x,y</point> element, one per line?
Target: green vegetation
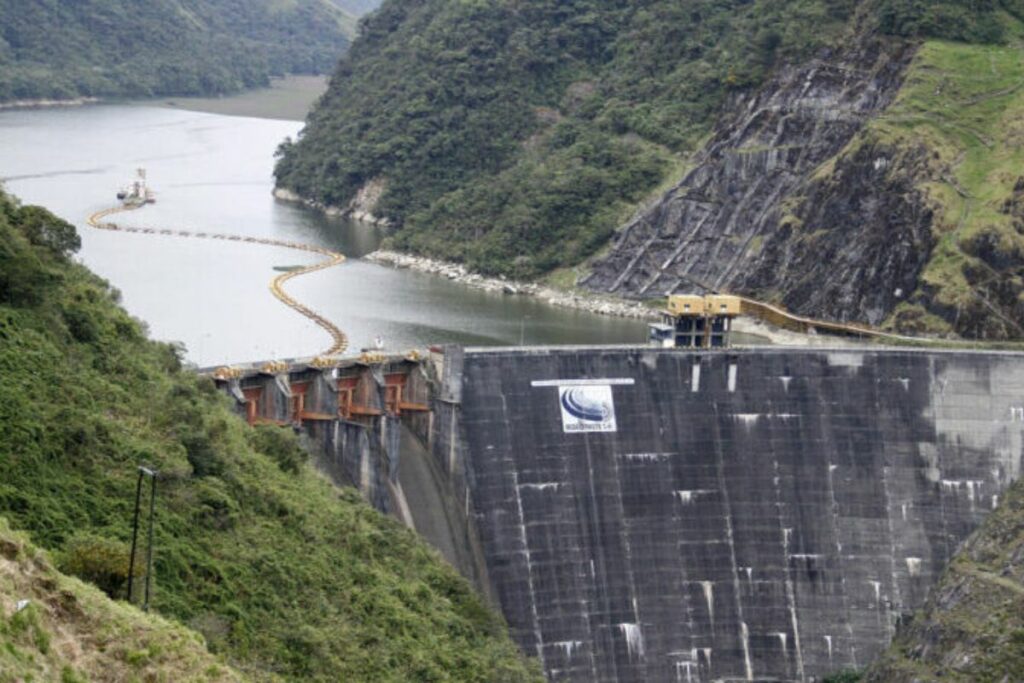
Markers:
<point>284,574</point>
<point>972,627</point>
<point>965,104</point>
<point>516,137</point>
<point>973,21</point>
<point>98,48</point>
<point>70,632</point>
<point>845,676</point>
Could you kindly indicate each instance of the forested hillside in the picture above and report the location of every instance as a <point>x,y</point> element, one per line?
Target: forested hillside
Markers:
<point>285,575</point>
<point>58,50</point>
<point>517,137</point>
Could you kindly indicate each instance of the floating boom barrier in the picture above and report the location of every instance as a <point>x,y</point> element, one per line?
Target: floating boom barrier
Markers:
<point>332,258</point>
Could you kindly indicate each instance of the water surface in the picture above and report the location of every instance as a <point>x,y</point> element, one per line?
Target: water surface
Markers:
<point>212,173</point>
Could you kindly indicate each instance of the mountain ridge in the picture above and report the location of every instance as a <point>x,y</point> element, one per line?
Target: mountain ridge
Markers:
<point>52,50</point>
<point>519,140</point>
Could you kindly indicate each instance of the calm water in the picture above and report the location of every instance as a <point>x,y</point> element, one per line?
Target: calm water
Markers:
<point>213,172</point>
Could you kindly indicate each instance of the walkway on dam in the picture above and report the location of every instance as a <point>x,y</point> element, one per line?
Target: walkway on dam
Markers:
<point>339,341</point>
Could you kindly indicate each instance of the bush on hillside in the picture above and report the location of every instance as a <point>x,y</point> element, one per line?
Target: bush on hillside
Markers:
<point>44,229</point>
<point>279,443</point>
<point>101,561</point>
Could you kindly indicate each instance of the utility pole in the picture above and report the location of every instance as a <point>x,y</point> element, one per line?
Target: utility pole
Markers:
<point>149,551</point>
<point>135,535</point>
<point>143,472</point>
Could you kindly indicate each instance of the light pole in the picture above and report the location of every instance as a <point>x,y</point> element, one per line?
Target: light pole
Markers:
<point>152,474</point>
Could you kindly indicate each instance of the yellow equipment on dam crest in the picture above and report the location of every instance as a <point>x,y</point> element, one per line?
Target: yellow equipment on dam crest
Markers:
<point>693,321</point>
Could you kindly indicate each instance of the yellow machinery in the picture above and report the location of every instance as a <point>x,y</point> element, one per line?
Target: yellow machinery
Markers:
<point>696,322</point>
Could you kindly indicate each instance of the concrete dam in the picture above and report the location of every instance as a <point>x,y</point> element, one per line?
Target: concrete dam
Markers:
<point>642,514</point>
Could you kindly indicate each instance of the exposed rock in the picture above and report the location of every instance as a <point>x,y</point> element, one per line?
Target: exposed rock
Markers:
<point>856,243</point>
<point>759,214</point>
<point>365,202</point>
<point>359,208</point>
<point>287,195</point>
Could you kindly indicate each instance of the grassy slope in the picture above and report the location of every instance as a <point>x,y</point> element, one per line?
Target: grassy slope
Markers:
<point>966,104</point>
<point>972,628</point>
<point>283,573</point>
<point>70,631</point>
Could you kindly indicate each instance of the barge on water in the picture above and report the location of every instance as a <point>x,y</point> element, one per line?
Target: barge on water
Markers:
<point>137,193</point>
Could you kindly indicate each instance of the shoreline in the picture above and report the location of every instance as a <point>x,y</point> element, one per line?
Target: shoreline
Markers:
<point>287,98</point>
<point>574,299</point>
<point>47,103</point>
<point>588,303</point>
<point>584,302</point>
<point>285,195</point>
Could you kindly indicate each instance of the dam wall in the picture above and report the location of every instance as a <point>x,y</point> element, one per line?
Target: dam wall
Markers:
<point>737,515</point>
<point>353,415</point>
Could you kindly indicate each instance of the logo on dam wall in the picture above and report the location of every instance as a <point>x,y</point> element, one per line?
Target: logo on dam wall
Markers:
<point>586,404</point>
<point>587,408</point>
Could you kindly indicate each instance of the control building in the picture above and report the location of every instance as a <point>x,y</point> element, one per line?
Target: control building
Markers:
<point>695,322</point>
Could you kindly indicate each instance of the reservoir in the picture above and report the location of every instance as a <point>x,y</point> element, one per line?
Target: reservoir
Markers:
<point>212,173</point>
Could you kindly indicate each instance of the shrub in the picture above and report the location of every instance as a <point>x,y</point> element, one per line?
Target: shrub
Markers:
<point>44,229</point>
<point>971,21</point>
<point>100,561</point>
<point>278,443</point>
<point>203,457</point>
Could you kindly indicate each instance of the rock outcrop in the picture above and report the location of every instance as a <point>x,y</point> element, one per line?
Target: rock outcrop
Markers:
<point>364,204</point>
<point>770,210</point>
<point>360,208</point>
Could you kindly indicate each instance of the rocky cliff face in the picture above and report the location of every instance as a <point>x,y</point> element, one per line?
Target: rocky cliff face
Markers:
<point>769,210</point>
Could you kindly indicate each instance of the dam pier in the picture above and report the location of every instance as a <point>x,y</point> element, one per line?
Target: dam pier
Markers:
<point>644,514</point>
